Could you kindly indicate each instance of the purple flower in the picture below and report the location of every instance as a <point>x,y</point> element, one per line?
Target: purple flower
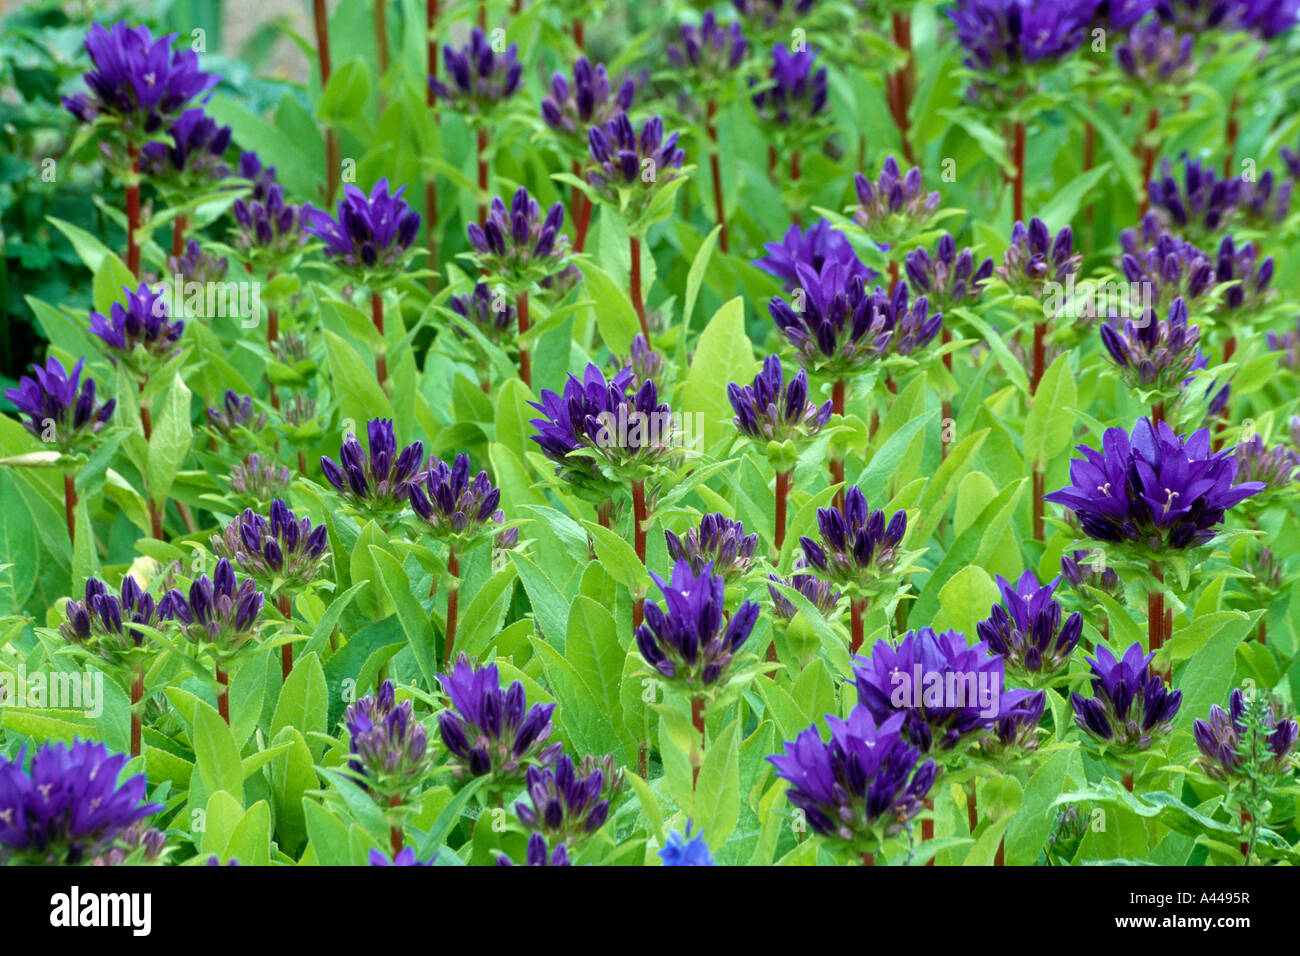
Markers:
<point>285,548</point>
<point>457,509</point>
<point>625,158</point>
<point>1226,742</point>
<point>517,245</point>
<point>686,850</point>
<point>491,731</point>
<point>1267,19</point>
<point>894,206</point>
<point>822,243</point>
<point>59,406</point>
<point>235,415</point>
<point>1121,14</point>
<point>372,233</point>
<point>195,157</point>
<point>948,277</point>
<point>1251,288</point>
<point>261,177</point>
<point>769,410</point>
<point>1026,627</point>
<point>709,51</point>
<point>1016,733</point>
<point>1003,39</point>
<point>260,479</point>
<point>767,15</point>
<point>1035,258</point>
<point>717,541</point>
<point>378,486</point>
<point>949,693</point>
<point>538,855</point>
<point>140,324</point>
<point>1201,206</point>
<point>857,545</point>
<point>493,314</point>
<point>1165,265</point>
<point>1154,489</point>
<point>273,231</point>
<point>136,80</point>
<point>795,95</point>
<point>563,804</point>
<point>1288,343</point>
<point>820,595</point>
<point>1130,706</point>
<point>1082,572</point>
<point>685,641</point>
<point>863,784</point>
<point>1275,468</point>
<point>67,806</point>
<point>645,362</point>
<point>479,77</point>
<point>1156,57</point>
<point>1156,354</point>
<point>389,748</point>
<point>572,110</point>
<point>102,622</point>
<point>221,615</point>
<point>403,857</point>
<point>196,265</point>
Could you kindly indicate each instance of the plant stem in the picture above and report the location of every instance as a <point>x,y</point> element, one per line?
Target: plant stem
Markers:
<point>837,464</point>
<point>1158,413</point>
<point>525,361</point>
<point>697,719</point>
<point>286,650</point>
<point>223,695</point>
<point>1233,130</point>
<point>137,719</point>
<point>381,41</point>
<point>133,213</point>
<point>1040,356</point>
<point>634,279</point>
<point>482,15</point>
<point>1149,159</point>
<point>453,602</point>
<point>857,612</point>
<point>1018,184</point>
<point>796,174</point>
<point>179,226</point>
<point>321,19</point>
<point>782,494</point>
<point>715,167</point>
<point>927,827</point>
<point>395,833</point>
<point>1157,619</point>
<point>70,506</point>
<point>1038,492</point>
<point>377,316</point>
<point>482,173</point>
<point>578,40</point>
<point>582,210</point>
<point>638,537</point>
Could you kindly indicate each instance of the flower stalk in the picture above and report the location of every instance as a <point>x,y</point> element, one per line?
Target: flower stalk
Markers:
<point>453,603</point>
<point>133,212</point>
<point>715,168</point>
<point>137,719</point>
<point>525,359</point>
<point>638,303</point>
<point>377,316</point>
<point>638,538</point>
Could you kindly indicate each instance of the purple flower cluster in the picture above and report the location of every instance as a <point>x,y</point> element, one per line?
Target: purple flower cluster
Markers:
<point>221,615</point>
<point>1202,206</point>
<point>389,748</point>
<point>138,333</point>
<point>1251,279</point>
<point>571,110</point>
<point>195,157</point>
<point>260,479</point>
<point>537,854</point>
<point>517,245</point>
<point>857,546</point>
<point>1167,266</point>
<point>821,243</point>
<point>563,804</point>
<point>895,205</point>
<point>59,406</point>
<point>102,622</point>
<point>820,595</point>
<point>717,541</point>
<point>1131,706</point>
<point>1275,468</point>
<point>795,95</point>
<point>769,410</point>
<point>197,265</point>
<point>948,277</point>
<point>480,77</point>
<point>459,510</point>
<point>1156,57</point>
<point>269,228</point>
<point>1026,627</point>
<point>626,158</point>
<point>1155,353</point>
<point>378,486</point>
<point>492,313</point>
<point>372,233</point>
<point>234,415</point>
<point>709,51</point>
<point>1034,258</point>
<point>1226,743</point>
<point>285,548</point>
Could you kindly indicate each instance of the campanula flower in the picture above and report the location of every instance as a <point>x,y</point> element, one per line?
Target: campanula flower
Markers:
<point>822,242</point>
<point>60,407</point>
<point>221,616</point>
<point>562,803</point>
<point>1130,706</point>
<point>686,850</point>
<point>1026,627</point>
<point>388,747</point>
<point>102,622</point>
<point>479,78</point>
<point>138,333</point>
<point>573,108</point>
<point>285,548</point>
<point>769,410</point>
<point>1226,743</point>
<point>377,486</point>
<point>948,277</point>
<point>371,235</point>
<point>538,855</point>
<point>718,541</point>
<point>517,245</point>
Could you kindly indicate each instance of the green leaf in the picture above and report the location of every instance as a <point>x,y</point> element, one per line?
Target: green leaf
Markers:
<point>304,699</point>
<point>417,627</point>
<point>723,354</point>
<point>965,600</point>
<point>1050,424</point>
<point>346,93</point>
<point>216,755</point>
<point>170,441</point>
<point>615,317</point>
<point>717,792</point>
<point>360,397</point>
<point>486,612</point>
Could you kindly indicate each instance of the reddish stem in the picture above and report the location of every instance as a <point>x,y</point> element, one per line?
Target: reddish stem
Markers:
<point>857,612</point>
<point>837,464</point>
<point>1262,633</point>
<point>395,835</point>
<point>377,316</point>
<point>431,52</point>
<point>578,38</point>
<point>638,538</point>
<point>223,695</point>
<point>482,15</point>
<point>782,494</point>
<point>453,602</point>
<point>1149,159</point>
<point>1158,413</point>
<point>635,282</point>
<point>795,174</point>
<point>70,506</point>
<point>1157,619</point>
<point>321,19</point>
<point>893,277</point>
<point>137,719</point>
<point>133,213</point>
<point>582,210</point>
<point>927,828</point>
<point>771,162</point>
<point>1233,130</point>
<point>302,463</point>
<point>1229,348</point>
<point>697,720</point>
<point>715,167</point>
<point>1018,184</point>
<point>482,172</point>
<point>525,361</point>
<point>868,859</point>
<point>1040,357</point>
<point>179,226</point>
<point>286,650</point>
<point>1038,492</point>
<point>381,36</point>
<point>1128,781</point>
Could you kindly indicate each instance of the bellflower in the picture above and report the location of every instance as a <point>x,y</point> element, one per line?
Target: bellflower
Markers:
<point>260,479</point>
<point>571,110</point>
<point>1155,57</point>
<point>492,313</point>
<point>1017,732</point>
<point>377,486</point>
<point>857,546</point>
<point>403,857</point>
<point>1156,354</point>
<point>491,731</point>
<point>718,541</point>
<point>137,81</point>
<point>1267,19</point>
<point>195,157</point>
<point>562,804</point>
<point>1202,206</point>
<point>821,595</point>
<point>60,407</point>
<point>1034,258</point>
<point>1026,627</point>
<point>456,509</point>
<point>138,333</point>
<point>221,615</point>
<point>645,362</point>
<point>372,234</point>
<point>795,95</point>
<point>235,413</point>
<point>626,159</point>
<point>1153,489</point>
<point>1225,741</point>
<point>389,748</point>
<point>1082,572</point>
<point>948,692</point>
<point>138,844</point>
<point>538,855</point>
<point>862,785</point>
<point>270,229</point>
<point>517,245</point>
<point>1167,266</point>
<point>686,850</point>
<point>479,77</point>
<point>948,277</point>
<point>893,207</point>
<point>685,641</point>
<point>1275,468</point>
<point>102,622</point>
<point>771,411</point>
<point>197,265</point>
<point>710,51</point>
<point>1121,14</point>
<point>67,806</point>
<point>1288,343</point>
<point>821,243</point>
<point>1197,15</point>
<point>1252,281</point>
<point>769,14</point>
<point>1004,40</point>
<point>1130,706</point>
<point>261,178</point>
<point>285,548</point>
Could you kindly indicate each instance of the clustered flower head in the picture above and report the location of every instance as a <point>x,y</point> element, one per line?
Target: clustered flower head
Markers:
<point>1131,706</point>
<point>102,622</point>
<point>67,807</point>
<point>1082,570</point>
<point>819,593</point>
<point>137,81</point>
<point>894,206</point>
<point>1251,288</point>
<point>645,362</point>
<point>770,410</point>
<point>457,509</point>
<point>948,277</point>
<point>236,412</point>
<point>1275,468</point>
<point>480,78</point>
<point>1035,258</point>
<point>1226,742</point>
<point>59,406</point>
<point>624,158</point>
<point>378,486</point>
<point>489,731</point>
<point>563,804</point>
<point>1288,343</point>
<point>572,110</point>
<point>821,243</point>
<point>260,479</point>
<point>1026,627</point>
<point>770,14</point>
<point>1002,40</point>
<point>1156,57</point>
<point>537,854</point>
<point>862,785</point>
<point>285,548</point>
<point>270,228</point>
<point>403,857</point>
<point>717,541</point>
<point>517,245</point>
<point>857,546</point>
<point>139,843</point>
<point>709,51</point>
<point>196,155</point>
<point>389,748</point>
<point>371,235</point>
<point>197,265</point>
<point>138,333</point>
<point>686,850</point>
<point>1156,354</point>
<point>491,312</point>
<point>1201,206</point>
<point>221,615</point>
<point>1167,265</point>
<point>1153,489</point>
<point>685,641</point>
<point>1261,205</point>
<point>796,94</point>
<point>949,693</point>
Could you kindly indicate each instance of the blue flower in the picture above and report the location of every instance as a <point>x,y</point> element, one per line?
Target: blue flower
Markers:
<point>686,851</point>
